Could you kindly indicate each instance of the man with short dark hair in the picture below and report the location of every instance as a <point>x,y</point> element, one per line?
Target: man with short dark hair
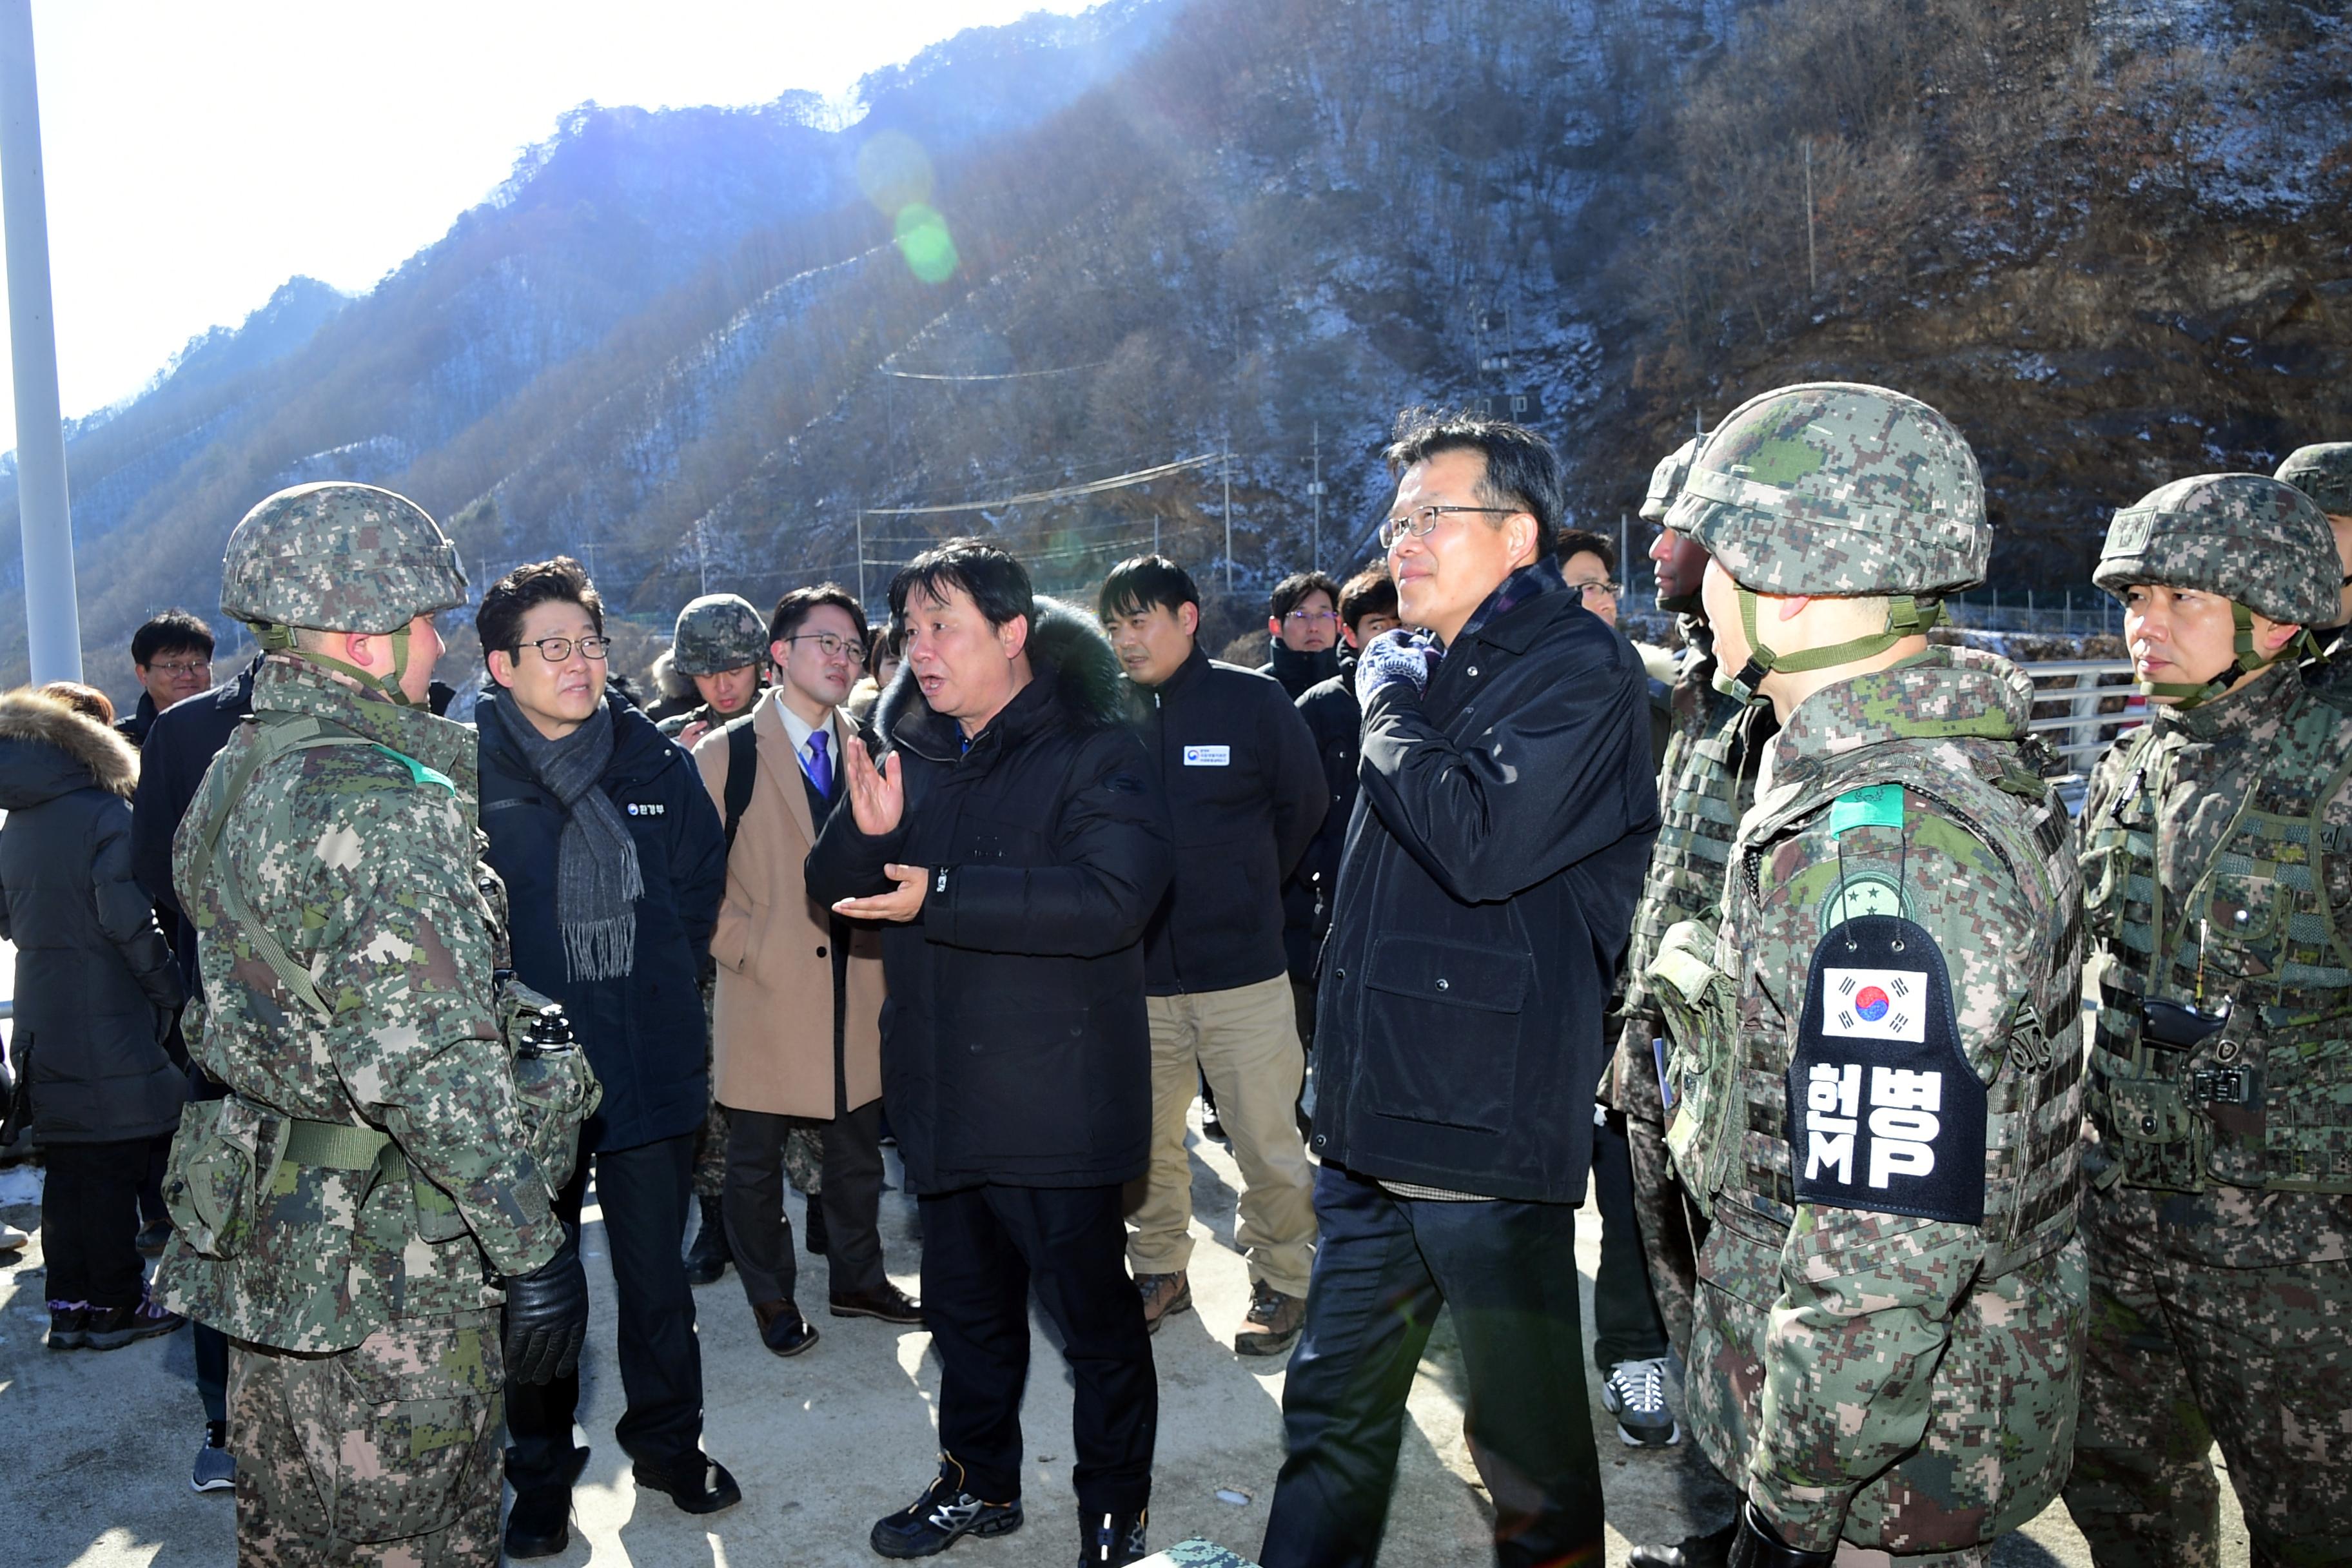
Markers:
<point>1588,562</point>
<point>1245,796</point>
<point>173,654</point>
<point>614,863</point>
<point>796,1018</point>
<point>1498,842</point>
<point>1305,632</point>
<point>1367,607</point>
<point>1016,840</point>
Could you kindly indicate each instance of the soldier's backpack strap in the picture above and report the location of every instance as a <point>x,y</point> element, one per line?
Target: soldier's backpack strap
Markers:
<point>742,771</point>
<point>276,737</point>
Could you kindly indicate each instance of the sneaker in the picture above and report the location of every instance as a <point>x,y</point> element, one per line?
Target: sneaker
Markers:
<point>1274,1321</point>
<point>215,1468</point>
<point>1212,1125</point>
<point>944,1514</point>
<point>153,1240</point>
<point>1164,1296</point>
<point>1636,1394</point>
<point>69,1325</point>
<point>1110,1538</point>
<point>11,1238</point>
<point>111,1328</point>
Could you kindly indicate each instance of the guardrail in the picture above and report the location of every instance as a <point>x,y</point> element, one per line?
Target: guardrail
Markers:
<point>2081,705</point>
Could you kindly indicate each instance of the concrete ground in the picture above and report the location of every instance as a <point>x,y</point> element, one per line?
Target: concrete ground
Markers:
<point>96,1448</point>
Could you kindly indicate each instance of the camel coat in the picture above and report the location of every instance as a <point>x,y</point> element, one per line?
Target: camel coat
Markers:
<point>783,1043</point>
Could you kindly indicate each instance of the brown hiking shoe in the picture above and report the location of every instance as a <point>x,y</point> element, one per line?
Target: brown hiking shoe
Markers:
<point>1164,1296</point>
<point>1273,1323</point>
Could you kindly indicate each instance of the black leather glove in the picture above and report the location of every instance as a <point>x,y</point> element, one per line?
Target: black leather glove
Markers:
<point>547,1316</point>
<point>1758,1545</point>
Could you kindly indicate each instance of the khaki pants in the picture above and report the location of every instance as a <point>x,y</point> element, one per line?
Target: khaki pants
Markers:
<point>1246,1041</point>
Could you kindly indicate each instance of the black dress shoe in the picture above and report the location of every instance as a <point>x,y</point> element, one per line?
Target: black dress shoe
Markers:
<point>885,1301</point>
<point>782,1329</point>
<point>539,1524</point>
<point>943,1515</point>
<point>697,1484</point>
<point>1695,1552</point>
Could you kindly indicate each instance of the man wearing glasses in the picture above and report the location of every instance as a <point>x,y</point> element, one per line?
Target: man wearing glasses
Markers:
<point>798,1016</point>
<point>614,862</point>
<point>173,654</point>
<point>1503,823</point>
<point>1305,628</point>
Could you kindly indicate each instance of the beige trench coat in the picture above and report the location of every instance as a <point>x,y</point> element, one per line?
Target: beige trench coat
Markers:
<point>773,1029</point>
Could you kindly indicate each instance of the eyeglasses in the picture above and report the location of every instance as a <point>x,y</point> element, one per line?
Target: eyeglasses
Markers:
<point>833,644</point>
<point>1422,521</point>
<point>1312,618</point>
<point>556,650</point>
<point>182,667</point>
<point>1590,591</point>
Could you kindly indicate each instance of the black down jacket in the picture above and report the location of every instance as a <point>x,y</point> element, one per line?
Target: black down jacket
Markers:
<point>1484,898</point>
<point>1338,726</point>
<point>1014,1042</point>
<point>96,985</point>
<point>645,1032</point>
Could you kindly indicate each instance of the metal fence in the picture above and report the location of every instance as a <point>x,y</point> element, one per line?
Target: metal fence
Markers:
<point>2081,705</point>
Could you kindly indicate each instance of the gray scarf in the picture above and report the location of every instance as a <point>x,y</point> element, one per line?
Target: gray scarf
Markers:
<point>597,884</point>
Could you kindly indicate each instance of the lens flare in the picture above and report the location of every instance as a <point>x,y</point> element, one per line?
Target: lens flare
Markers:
<point>923,240</point>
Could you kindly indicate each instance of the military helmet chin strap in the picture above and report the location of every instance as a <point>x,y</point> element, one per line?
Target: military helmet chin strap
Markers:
<point>280,638</point>
<point>1907,615</point>
<point>2188,694</point>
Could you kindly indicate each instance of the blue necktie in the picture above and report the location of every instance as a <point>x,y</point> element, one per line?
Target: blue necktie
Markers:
<point>820,766</point>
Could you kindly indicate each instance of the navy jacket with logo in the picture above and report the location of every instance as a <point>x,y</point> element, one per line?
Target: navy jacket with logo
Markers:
<point>1246,791</point>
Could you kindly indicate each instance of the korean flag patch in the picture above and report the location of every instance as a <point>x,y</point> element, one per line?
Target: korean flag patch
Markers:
<point>1885,1111</point>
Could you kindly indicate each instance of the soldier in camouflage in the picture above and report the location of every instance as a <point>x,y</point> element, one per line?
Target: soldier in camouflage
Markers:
<point>2325,474</point>
<point>1706,784</point>
<point>1875,1059</point>
<point>349,1215</point>
<point>2217,1207</point>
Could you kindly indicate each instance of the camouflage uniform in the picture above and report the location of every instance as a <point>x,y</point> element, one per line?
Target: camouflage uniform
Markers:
<point>364,1188</point>
<point>1889,1327</point>
<point>2219,1205</point>
<point>2325,474</point>
<point>716,633</point>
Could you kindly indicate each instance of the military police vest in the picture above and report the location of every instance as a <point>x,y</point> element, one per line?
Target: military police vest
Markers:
<point>2223,1047</point>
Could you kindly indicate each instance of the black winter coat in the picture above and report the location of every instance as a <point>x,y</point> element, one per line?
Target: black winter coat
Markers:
<point>645,1032</point>
<point>1245,796</point>
<point>1015,1044</point>
<point>1336,724</point>
<point>1484,898</point>
<point>1296,672</point>
<point>180,745</point>
<point>96,986</point>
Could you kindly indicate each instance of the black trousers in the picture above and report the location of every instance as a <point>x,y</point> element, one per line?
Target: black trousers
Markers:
<point>644,1193</point>
<point>759,1234</point>
<point>1625,1321</point>
<point>89,1221</point>
<point>985,1250</point>
<point>1383,1268</point>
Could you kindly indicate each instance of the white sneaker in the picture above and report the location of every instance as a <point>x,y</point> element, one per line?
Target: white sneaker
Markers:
<point>11,1238</point>
<point>1636,1394</point>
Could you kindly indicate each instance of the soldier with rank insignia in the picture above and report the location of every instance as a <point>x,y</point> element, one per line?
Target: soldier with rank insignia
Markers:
<point>383,1168</point>
<point>2217,1207</point>
<point>2324,473</point>
<point>1875,1061</point>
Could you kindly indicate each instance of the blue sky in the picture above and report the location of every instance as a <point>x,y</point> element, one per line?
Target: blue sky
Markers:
<point>198,155</point>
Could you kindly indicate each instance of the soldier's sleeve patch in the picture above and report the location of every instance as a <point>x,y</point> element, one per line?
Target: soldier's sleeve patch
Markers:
<point>1874,805</point>
<point>1885,1112</point>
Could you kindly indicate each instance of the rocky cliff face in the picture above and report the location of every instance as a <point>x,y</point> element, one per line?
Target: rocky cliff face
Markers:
<point>723,345</point>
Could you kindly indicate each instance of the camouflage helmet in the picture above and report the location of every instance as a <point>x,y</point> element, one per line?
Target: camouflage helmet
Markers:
<point>339,557</point>
<point>1666,481</point>
<point>719,632</point>
<point>2247,537</point>
<point>2324,473</point>
<point>1838,489</point>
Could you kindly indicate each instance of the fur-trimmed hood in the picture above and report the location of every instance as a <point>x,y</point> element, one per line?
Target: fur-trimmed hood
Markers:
<point>1065,646</point>
<point>48,749</point>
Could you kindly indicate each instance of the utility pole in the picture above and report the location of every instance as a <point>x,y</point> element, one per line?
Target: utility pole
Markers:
<point>1226,469</point>
<point>52,622</point>
<point>1315,489</point>
<point>1624,550</point>
<point>1812,277</point>
<point>702,552</point>
<point>861,556</point>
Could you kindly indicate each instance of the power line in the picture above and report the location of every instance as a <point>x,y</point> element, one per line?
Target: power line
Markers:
<point>1002,376</point>
<point>1064,493</point>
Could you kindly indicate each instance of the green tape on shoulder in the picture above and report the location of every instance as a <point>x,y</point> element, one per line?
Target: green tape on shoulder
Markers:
<point>1880,805</point>
<point>418,774</point>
